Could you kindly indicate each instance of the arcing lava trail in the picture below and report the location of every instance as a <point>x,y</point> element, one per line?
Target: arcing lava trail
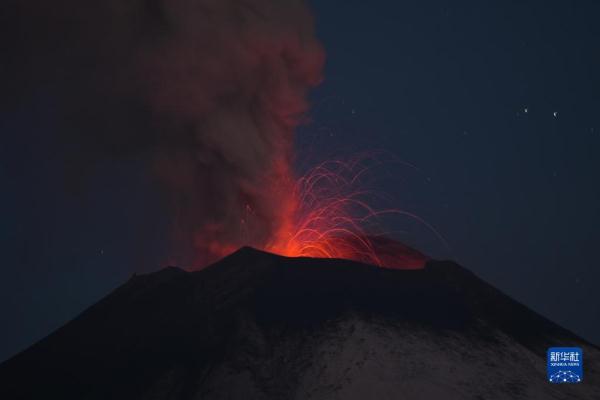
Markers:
<point>332,218</point>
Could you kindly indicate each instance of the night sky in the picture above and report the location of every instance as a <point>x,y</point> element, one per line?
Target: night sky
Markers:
<point>495,106</point>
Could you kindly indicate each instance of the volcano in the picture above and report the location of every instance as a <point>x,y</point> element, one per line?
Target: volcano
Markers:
<point>261,326</point>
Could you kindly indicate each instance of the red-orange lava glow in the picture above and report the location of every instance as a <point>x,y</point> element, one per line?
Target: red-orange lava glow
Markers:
<point>331,218</point>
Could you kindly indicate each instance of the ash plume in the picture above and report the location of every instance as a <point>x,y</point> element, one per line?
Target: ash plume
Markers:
<point>206,93</point>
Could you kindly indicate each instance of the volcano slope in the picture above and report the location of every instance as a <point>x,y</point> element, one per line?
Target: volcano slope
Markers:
<point>260,326</point>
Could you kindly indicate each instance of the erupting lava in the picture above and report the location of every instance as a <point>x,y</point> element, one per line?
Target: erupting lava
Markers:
<point>333,219</point>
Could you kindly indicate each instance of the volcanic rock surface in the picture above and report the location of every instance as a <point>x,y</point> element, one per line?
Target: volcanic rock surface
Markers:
<point>259,326</point>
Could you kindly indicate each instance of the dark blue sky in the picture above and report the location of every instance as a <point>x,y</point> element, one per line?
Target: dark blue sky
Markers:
<point>495,103</point>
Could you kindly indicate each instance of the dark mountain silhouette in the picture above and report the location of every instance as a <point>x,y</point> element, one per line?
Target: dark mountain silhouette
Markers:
<point>259,326</point>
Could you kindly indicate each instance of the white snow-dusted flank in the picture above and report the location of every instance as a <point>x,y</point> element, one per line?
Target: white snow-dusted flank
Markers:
<point>405,362</point>
<point>355,358</point>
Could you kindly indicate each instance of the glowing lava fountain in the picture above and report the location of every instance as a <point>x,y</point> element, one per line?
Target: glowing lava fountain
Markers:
<point>333,219</point>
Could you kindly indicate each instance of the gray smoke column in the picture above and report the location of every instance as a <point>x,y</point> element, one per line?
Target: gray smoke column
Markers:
<point>206,92</point>
<point>230,79</point>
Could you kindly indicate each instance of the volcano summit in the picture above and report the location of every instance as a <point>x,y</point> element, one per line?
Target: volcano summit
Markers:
<point>260,326</point>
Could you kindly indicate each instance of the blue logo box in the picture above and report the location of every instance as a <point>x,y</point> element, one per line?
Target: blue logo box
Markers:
<point>565,365</point>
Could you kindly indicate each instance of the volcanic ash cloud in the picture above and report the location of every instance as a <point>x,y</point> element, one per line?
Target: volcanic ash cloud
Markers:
<point>230,80</point>
<point>206,92</point>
